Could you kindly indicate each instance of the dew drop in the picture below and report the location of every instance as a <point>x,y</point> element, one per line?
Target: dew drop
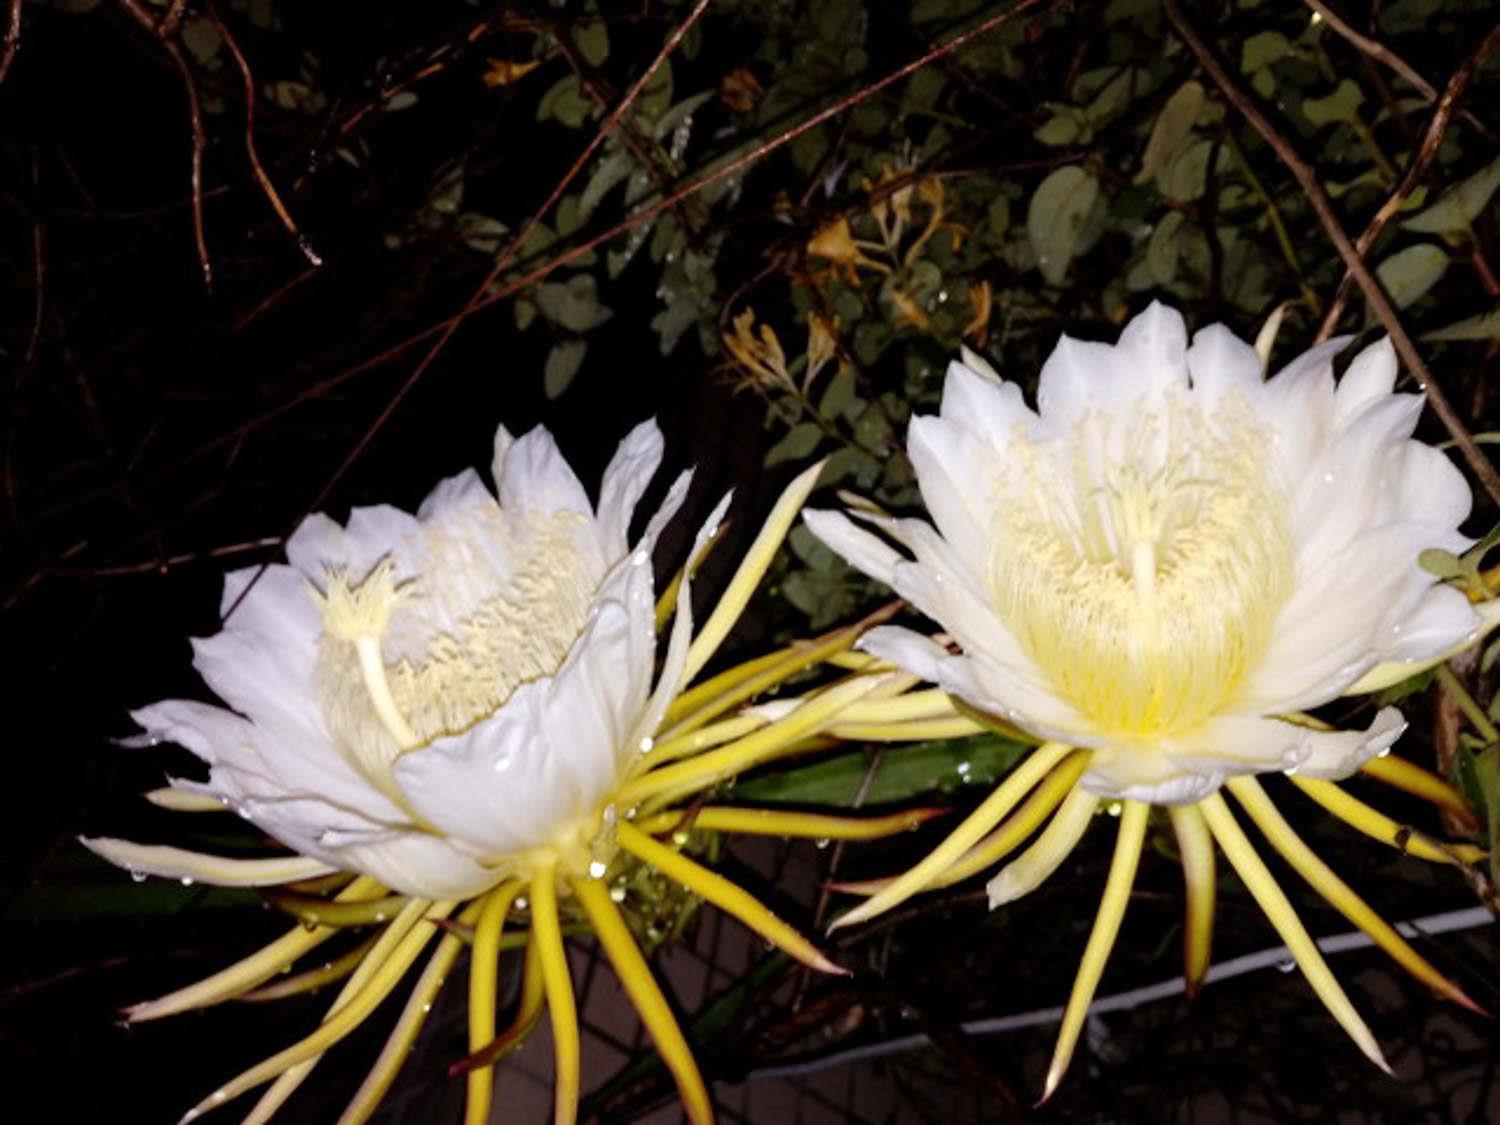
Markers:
<point>186,880</point>
<point>137,876</point>
<point>617,894</point>
<point>640,558</point>
<point>501,764</point>
<point>520,902</point>
<point>646,744</point>
<point>821,842</point>
<point>427,1007</point>
<point>1286,965</point>
<point>380,917</point>
<point>597,869</point>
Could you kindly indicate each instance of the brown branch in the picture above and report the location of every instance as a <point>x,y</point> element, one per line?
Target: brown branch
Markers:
<point>1421,161</point>
<point>1329,220</point>
<point>136,11</point>
<point>446,326</point>
<point>501,263</point>
<point>255,165</point>
<point>12,40</point>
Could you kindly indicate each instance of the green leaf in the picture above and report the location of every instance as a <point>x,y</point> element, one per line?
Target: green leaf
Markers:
<point>1171,129</point>
<point>841,396</point>
<point>611,171</point>
<point>679,113</point>
<point>1262,49</point>
<point>904,773</point>
<point>1163,250</point>
<point>573,304</point>
<point>1409,273</point>
<point>592,39</point>
<point>563,362</point>
<point>480,232</point>
<point>800,441</point>
<point>1341,105</point>
<point>1484,779</point>
<point>1485,326</point>
<point>1458,207</point>
<point>564,102</point>
<point>1067,125</point>
<point>1186,175</point>
<point>1056,217</point>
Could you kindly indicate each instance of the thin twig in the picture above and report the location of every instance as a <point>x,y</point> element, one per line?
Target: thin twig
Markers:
<point>12,40</point>
<point>136,11</point>
<point>1329,219</point>
<point>256,168</point>
<point>1416,170</point>
<point>501,263</point>
<point>1387,57</point>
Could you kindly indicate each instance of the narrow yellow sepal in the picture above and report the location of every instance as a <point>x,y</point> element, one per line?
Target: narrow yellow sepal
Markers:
<point>783,822</point>
<point>999,803</point>
<point>646,995</point>
<point>1133,819</point>
<point>1262,885</point>
<point>1196,845</point>
<point>728,897</point>
<point>546,937</point>
<point>1375,824</point>
<point>751,569</point>
<point>1249,793</point>
<point>484,967</point>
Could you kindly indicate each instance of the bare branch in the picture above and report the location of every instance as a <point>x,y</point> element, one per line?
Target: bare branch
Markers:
<point>1328,218</point>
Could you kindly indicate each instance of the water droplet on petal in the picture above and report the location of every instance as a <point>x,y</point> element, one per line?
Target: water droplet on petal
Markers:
<point>647,743</point>
<point>187,880</point>
<point>597,869</point>
<point>137,876</point>
<point>1286,965</point>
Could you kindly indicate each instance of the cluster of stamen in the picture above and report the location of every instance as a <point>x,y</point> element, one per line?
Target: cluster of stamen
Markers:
<point>401,665</point>
<point>1141,558</point>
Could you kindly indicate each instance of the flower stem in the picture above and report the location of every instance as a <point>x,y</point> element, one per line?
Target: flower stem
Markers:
<point>1467,704</point>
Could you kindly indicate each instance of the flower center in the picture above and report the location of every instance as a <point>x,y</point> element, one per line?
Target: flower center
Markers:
<point>497,601</point>
<point>1141,558</point>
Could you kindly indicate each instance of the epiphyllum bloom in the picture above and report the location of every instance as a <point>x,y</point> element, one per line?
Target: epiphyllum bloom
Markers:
<point>1155,572</point>
<point>458,707</point>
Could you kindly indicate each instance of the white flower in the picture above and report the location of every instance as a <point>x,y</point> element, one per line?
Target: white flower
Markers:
<point>1171,551</point>
<point>435,700</point>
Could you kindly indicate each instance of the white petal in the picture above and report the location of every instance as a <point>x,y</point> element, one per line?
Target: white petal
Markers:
<point>1371,375</point>
<point>1244,744</point>
<point>1036,864</point>
<point>1079,376</point>
<point>197,867</point>
<point>991,410</point>
<point>1129,772</point>
<point>1220,363</point>
<point>955,474</point>
<point>1156,339</point>
<point>456,493</point>
<point>1392,672</point>
<point>1429,487</point>
<point>503,441</point>
<point>421,865</point>
<point>858,547</point>
<point>535,477</point>
<point>625,480</point>
<point>1443,620</point>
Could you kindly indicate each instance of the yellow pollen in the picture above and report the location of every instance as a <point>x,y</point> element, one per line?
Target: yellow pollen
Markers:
<point>1140,560</point>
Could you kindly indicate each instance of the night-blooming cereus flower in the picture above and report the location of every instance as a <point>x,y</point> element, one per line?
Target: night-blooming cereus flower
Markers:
<point>1155,572</point>
<point>458,710</point>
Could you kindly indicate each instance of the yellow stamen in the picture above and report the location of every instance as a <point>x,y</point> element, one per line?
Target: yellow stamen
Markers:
<point>397,1047</point>
<point>181,800</point>
<point>546,937</point>
<point>1005,797</point>
<point>1032,867</point>
<point>484,967</point>
<point>528,1012</point>
<point>783,822</point>
<point>728,897</point>
<point>1133,820</point>
<point>1378,826</point>
<point>1259,881</point>
<point>644,993</point>
<point>752,567</point>
<point>255,969</point>
<point>1321,878</point>
<point>312,979</point>
<point>932,703</point>
<point>1196,845</point>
